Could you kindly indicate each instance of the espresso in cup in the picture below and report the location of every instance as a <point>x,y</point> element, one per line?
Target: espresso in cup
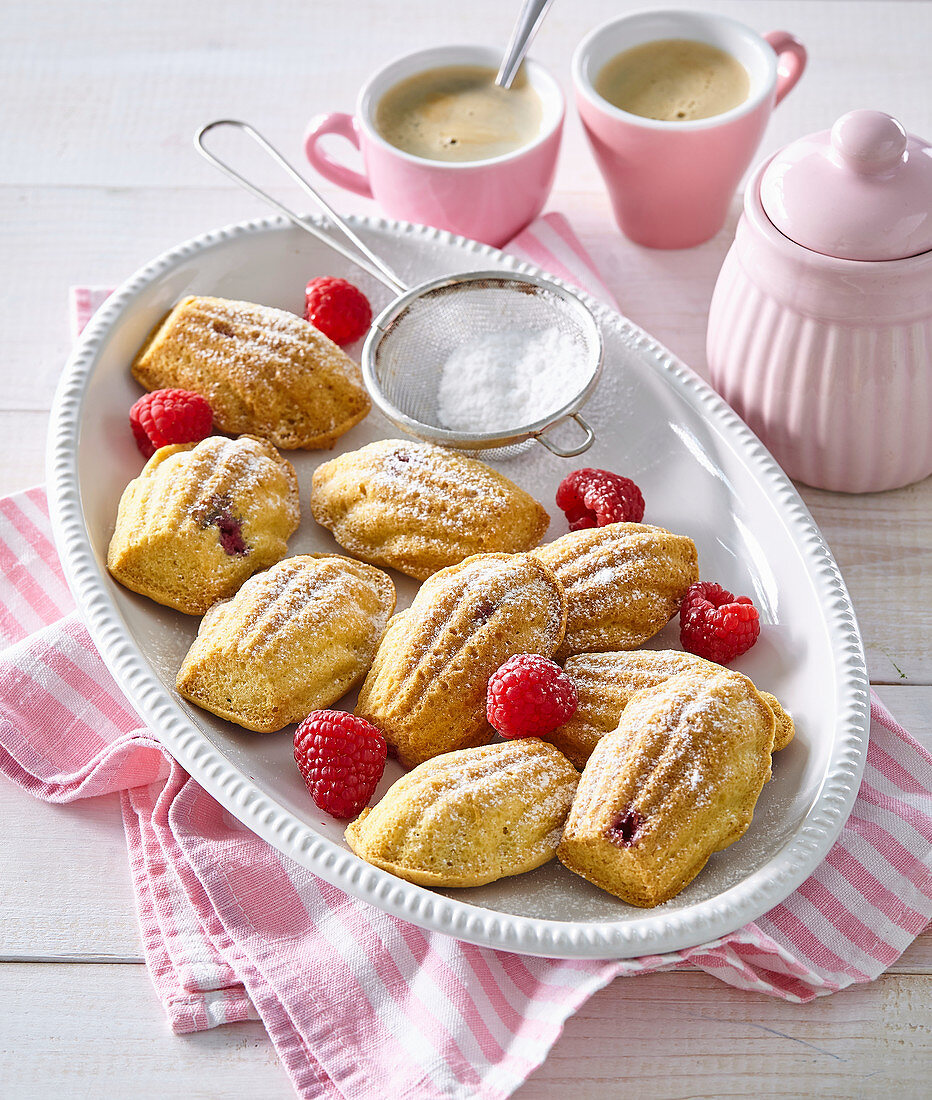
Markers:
<point>672,177</point>
<point>504,168</point>
<point>458,113</point>
<point>674,80</point>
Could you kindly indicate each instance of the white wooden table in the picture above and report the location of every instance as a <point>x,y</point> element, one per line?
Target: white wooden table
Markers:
<point>97,174</point>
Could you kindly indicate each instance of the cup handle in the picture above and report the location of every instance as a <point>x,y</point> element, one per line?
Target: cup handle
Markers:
<point>791,60</point>
<point>342,124</point>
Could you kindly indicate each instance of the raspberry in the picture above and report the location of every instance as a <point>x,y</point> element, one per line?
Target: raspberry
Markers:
<point>341,758</point>
<point>593,498</point>
<point>625,829</point>
<point>337,308</point>
<point>169,416</point>
<point>529,696</point>
<point>230,529</point>
<point>716,625</point>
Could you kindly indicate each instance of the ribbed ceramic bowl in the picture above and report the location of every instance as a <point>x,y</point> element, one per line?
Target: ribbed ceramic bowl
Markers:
<point>702,473</point>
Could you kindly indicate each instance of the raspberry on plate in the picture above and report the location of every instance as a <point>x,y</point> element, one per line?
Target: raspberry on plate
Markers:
<point>594,498</point>
<point>529,696</point>
<point>342,758</point>
<point>715,624</point>
<point>337,308</point>
<point>169,416</point>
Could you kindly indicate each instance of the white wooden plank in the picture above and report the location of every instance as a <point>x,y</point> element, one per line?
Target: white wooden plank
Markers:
<point>883,545</point>
<point>65,887</point>
<point>97,1032</point>
<point>677,1036</point>
<point>22,450</point>
<point>126,85</point>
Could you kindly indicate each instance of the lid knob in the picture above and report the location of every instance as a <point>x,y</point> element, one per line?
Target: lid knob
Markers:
<point>869,141</point>
<point>860,191</point>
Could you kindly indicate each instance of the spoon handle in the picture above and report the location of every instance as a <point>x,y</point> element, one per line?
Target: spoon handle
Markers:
<point>529,20</point>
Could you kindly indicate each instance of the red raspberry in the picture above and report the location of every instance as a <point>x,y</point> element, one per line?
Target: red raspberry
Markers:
<point>342,758</point>
<point>716,625</point>
<point>530,696</point>
<point>340,310</point>
<point>169,416</point>
<point>593,498</point>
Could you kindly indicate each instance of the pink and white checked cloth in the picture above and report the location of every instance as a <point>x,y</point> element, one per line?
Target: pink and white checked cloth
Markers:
<point>358,1003</point>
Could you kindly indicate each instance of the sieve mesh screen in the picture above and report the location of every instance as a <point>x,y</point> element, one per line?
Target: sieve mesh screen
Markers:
<point>407,360</point>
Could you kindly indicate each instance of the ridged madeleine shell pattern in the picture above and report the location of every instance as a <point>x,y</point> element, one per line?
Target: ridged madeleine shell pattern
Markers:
<point>676,781</point>
<point>623,583</point>
<point>426,690</point>
<point>264,371</point>
<point>201,518</point>
<point>470,817</point>
<point>418,508</point>
<point>606,683</point>
<point>294,639</point>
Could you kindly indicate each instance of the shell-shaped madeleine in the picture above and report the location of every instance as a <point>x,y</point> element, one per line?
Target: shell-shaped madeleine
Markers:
<point>293,639</point>
<point>623,583</point>
<point>201,518</point>
<point>419,508</point>
<point>426,690</point>
<point>606,682</point>
<point>264,371</point>
<point>470,817</point>
<point>676,781</point>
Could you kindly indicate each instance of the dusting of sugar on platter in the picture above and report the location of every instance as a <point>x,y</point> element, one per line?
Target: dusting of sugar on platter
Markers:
<point>703,475</point>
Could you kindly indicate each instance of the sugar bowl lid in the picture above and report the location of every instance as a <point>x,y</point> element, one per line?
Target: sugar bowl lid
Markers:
<point>860,191</point>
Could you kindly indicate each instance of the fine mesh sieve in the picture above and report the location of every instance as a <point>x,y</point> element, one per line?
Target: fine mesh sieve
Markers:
<point>410,342</point>
<point>423,331</point>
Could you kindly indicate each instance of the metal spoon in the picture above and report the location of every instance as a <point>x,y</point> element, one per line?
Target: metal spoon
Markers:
<point>529,20</point>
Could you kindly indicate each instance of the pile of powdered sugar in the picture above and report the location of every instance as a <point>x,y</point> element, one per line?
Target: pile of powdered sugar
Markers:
<point>507,379</point>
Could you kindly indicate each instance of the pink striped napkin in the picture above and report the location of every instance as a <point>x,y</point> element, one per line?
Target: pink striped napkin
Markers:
<point>358,1003</point>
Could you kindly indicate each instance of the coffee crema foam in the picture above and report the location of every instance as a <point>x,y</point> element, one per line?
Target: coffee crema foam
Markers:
<point>673,80</point>
<point>458,113</point>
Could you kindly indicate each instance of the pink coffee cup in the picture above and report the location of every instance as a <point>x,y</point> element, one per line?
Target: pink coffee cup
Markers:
<point>671,183</point>
<point>488,200</point>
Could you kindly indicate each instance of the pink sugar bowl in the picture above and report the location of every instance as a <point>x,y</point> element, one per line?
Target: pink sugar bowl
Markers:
<point>820,327</point>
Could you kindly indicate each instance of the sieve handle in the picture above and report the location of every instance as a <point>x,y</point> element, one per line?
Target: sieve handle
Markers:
<point>570,452</point>
<point>368,261</point>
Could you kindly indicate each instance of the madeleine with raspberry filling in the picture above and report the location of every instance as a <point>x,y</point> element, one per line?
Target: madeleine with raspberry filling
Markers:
<point>417,508</point>
<point>623,583</point>
<point>202,518</point>
<point>676,781</point>
<point>294,639</point>
<point>607,682</point>
<point>470,817</point>
<point>426,690</point>
<point>264,371</point>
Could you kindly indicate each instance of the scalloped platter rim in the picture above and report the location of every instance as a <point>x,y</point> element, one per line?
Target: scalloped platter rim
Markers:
<point>703,474</point>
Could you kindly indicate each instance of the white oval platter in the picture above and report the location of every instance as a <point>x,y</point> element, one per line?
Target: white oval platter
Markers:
<point>702,472</point>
